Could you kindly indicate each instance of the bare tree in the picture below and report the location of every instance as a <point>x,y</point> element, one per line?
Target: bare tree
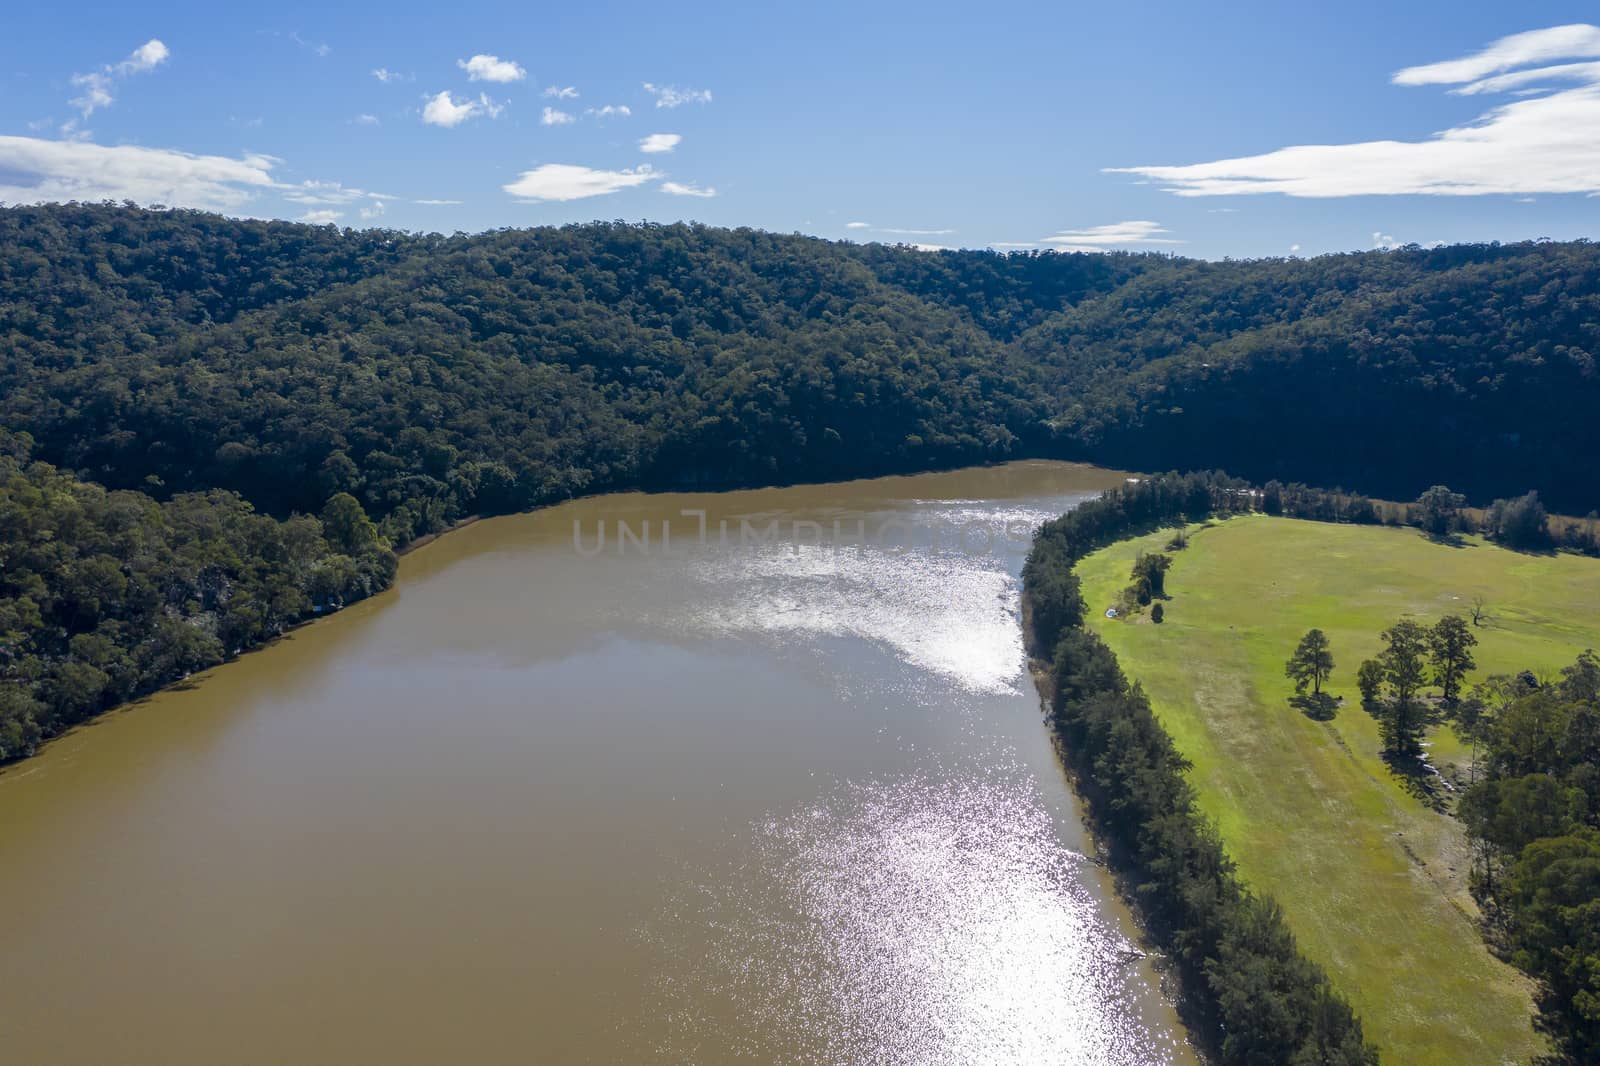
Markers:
<point>1479,605</point>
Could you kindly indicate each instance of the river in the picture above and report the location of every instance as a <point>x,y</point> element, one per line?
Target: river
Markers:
<point>770,786</point>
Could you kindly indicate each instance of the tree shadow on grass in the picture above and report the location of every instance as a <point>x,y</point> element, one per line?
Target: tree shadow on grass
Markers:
<point>1446,540</point>
<point>1419,778</point>
<point>1319,707</point>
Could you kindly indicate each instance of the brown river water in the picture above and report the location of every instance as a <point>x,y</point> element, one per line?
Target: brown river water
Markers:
<point>777,790</point>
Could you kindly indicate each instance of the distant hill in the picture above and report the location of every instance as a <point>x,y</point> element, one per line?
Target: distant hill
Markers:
<point>275,406</point>
<point>434,377</point>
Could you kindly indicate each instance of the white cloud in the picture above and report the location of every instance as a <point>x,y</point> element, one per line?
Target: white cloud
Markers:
<point>557,92</point>
<point>1518,80</point>
<point>1384,240</point>
<point>96,93</point>
<point>327,192</point>
<point>1097,238</point>
<point>1547,141</point>
<point>373,209</point>
<point>491,68</point>
<point>679,188</point>
<point>97,85</point>
<point>385,75</point>
<point>321,218</point>
<point>437,203</point>
<point>552,117</point>
<point>610,111</point>
<point>858,225</point>
<point>567,181</point>
<point>659,142</point>
<point>366,120</point>
<point>443,110</point>
<point>145,58</point>
<point>35,171</point>
<point>671,96</point>
<point>1517,50</point>
<point>320,48</point>
<point>1294,249</point>
<point>916,232</point>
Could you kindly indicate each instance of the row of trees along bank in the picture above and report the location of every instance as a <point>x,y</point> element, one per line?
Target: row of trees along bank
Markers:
<point>106,596</point>
<point>1254,998</point>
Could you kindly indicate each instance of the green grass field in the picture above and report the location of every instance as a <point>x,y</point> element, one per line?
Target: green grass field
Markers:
<point>1371,879</point>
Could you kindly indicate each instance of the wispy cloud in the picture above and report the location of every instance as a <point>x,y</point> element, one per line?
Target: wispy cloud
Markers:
<point>321,218</point>
<point>437,203</point>
<point>679,188</point>
<point>858,225</point>
<point>35,171</point>
<point>320,49</point>
<point>558,92</point>
<point>659,142</point>
<point>444,110</point>
<point>915,232</point>
<point>366,120</point>
<point>491,68</point>
<point>385,75</point>
<point>328,192</point>
<point>568,181</point>
<point>672,96</point>
<point>1112,235</point>
<point>552,117</point>
<point>609,111</point>
<point>1547,141</point>
<point>1517,50</point>
<point>97,85</point>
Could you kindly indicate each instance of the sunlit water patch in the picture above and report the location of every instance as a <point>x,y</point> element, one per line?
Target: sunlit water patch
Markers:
<point>951,613</point>
<point>922,921</point>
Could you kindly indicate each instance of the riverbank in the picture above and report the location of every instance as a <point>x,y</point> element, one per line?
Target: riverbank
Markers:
<point>1255,997</point>
<point>1372,878</point>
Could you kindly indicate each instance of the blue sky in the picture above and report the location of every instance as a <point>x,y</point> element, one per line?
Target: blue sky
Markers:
<point>1172,126</point>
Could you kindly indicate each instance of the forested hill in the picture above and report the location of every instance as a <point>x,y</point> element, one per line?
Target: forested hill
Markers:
<point>432,377</point>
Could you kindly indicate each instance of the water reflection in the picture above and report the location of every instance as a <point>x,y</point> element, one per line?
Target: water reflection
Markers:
<point>785,803</point>
<point>925,920</point>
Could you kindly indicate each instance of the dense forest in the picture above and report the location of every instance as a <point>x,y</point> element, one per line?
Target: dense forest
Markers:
<point>105,596</point>
<point>164,358</point>
<point>433,377</point>
<point>1535,818</point>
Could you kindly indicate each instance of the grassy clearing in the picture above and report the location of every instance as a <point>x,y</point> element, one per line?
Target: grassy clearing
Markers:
<point>1372,881</point>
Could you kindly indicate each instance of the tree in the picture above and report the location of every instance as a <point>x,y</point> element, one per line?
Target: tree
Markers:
<point>1438,510</point>
<point>1404,664</point>
<point>1450,644</point>
<point>1480,605</point>
<point>1151,568</point>
<point>1520,523</point>
<point>1369,679</point>
<point>347,526</point>
<point>1553,892</point>
<point>1311,662</point>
